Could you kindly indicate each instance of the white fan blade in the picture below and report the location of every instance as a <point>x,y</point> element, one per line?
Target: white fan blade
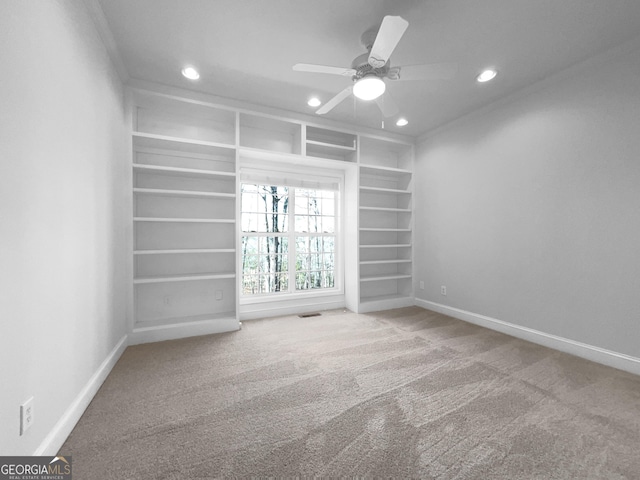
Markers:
<point>390,33</point>
<point>387,105</point>
<point>307,67</point>
<point>327,107</point>
<point>434,71</point>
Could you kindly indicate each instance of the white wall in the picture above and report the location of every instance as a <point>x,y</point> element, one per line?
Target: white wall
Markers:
<point>529,211</point>
<point>63,184</point>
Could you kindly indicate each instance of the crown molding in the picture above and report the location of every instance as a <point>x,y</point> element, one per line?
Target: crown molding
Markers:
<point>104,31</point>
<point>579,68</point>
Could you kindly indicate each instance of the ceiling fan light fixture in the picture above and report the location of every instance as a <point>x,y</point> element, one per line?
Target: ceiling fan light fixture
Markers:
<point>191,73</point>
<point>402,122</point>
<point>486,75</point>
<point>369,87</point>
<point>314,102</point>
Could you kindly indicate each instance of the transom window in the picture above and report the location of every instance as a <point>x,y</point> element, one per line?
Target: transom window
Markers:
<point>288,239</point>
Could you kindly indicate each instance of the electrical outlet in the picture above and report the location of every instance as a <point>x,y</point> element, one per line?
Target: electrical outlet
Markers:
<point>26,415</point>
<point>443,290</point>
<point>421,285</point>
<point>218,294</point>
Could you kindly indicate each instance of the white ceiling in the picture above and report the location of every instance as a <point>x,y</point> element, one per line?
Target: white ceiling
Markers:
<point>245,49</point>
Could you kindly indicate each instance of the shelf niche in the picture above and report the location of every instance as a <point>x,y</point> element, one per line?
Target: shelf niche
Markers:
<point>385,153</point>
<point>385,223</point>
<point>160,152</point>
<point>331,144</point>
<point>171,117</point>
<point>179,302</point>
<point>270,134</point>
<point>184,264</point>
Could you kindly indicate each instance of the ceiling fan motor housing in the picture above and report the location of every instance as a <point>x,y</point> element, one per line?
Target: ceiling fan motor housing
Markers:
<point>361,65</point>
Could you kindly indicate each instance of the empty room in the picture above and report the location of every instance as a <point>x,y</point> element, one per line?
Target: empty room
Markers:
<point>292,238</point>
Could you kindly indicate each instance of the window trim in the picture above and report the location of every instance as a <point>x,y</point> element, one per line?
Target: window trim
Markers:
<point>289,177</point>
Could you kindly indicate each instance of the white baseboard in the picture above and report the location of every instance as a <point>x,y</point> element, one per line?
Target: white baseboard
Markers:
<point>251,312</point>
<point>385,304</point>
<point>189,329</point>
<point>595,354</point>
<point>56,438</point>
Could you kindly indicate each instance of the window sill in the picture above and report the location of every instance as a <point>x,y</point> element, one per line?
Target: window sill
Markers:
<point>283,297</point>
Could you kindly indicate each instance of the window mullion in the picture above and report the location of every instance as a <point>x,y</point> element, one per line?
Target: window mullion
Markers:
<point>292,240</point>
<point>315,266</point>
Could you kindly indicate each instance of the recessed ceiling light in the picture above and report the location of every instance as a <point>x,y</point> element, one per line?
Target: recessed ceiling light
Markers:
<point>485,76</point>
<point>369,87</point>
<point>314,102</point>
<point>402,122</point>
<point>190,73</point>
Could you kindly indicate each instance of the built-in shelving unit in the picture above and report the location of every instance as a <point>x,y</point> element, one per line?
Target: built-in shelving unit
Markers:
<point>187,155</point>
<point>184,199</point>
<point>385,226</point>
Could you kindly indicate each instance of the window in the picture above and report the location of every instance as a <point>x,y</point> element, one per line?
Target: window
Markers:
<point>288,239</point>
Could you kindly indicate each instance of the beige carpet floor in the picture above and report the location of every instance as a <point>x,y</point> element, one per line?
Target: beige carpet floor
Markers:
<point>402,393</point>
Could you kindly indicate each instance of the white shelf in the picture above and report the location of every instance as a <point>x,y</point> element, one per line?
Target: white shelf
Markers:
<point>183,277</point>
<point>386,209</point>
<point>187,319</point>
<point>391,245</point>
<point>385,302</point>
<point>179,140</point>
<point>160,151</point>
<point>183,220</point>
<point>139,167</point>
<point>380,262</point>
<point>184,250</point>
<point>182,193</point>
<point>331,146</point>
<point>382,298</point>
<point>342,153</point>
<point>367,229</point>
<point>384,190</point>
<point>384,170</point>
<point>379,278</point>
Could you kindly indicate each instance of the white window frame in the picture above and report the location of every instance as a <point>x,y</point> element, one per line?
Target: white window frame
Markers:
<point>295,179</point>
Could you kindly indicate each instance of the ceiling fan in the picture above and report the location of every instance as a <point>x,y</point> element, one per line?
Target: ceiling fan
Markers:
<point>369,69</point>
